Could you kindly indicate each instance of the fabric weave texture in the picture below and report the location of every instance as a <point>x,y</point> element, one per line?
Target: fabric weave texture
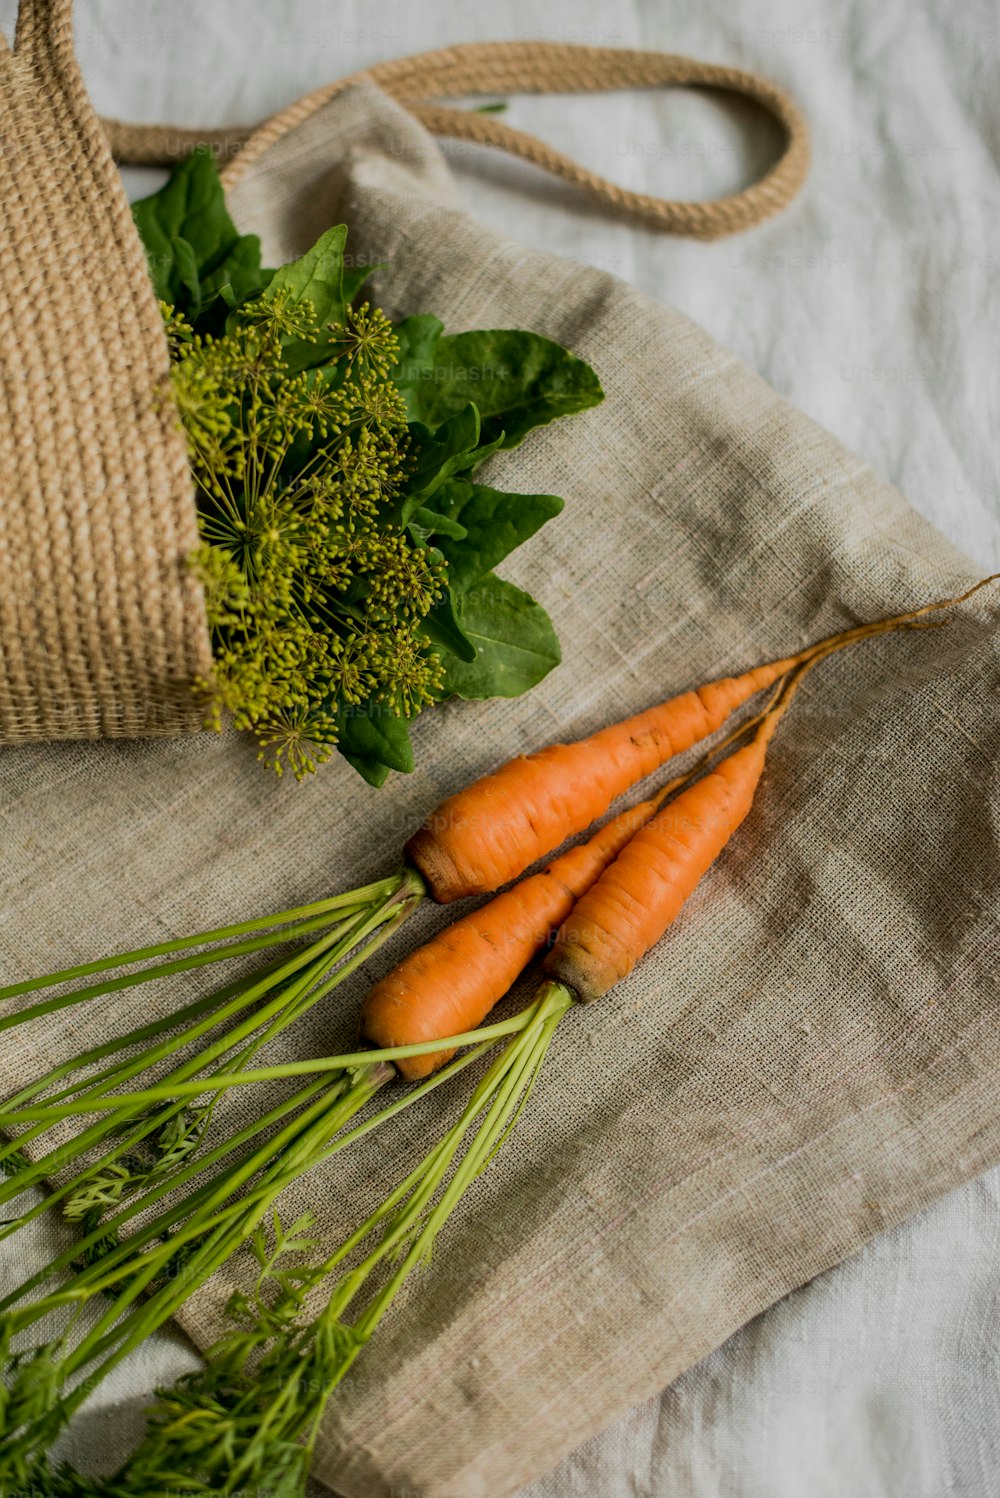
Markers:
<point>808,1058</point>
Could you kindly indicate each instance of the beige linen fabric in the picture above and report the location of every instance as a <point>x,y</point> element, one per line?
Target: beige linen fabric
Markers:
<point>102,626</point>
<point>812,1053</point>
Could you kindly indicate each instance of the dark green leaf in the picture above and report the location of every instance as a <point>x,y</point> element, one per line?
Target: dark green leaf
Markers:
<point>319,276</point>
<point>427,522</point>
<point>517,380</point>
<point>192,245</point>
<point>454,448</point>
<point>516,644</point>
<point>371,770</point>
<point>443,627</point>
<point>372,732</point>
<point>494,524</point>
<point>241,274</point>
<point>187,270</point>
<point>355,277</point>
<point>417,336</point>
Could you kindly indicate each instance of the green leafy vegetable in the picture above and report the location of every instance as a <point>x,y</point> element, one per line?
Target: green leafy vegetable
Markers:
<point>455,447</point>
<point>515,643</point>
<point>347,552</point>
<point>355,277</point>
<point>317,280</point>
<point>378,737</point>
<point>194,249</point>
<point>443,626</point>
<point>517,381</point>
<point>491,523</point>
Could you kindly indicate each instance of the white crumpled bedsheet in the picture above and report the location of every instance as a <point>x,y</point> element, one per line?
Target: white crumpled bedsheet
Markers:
<point>873,305</point>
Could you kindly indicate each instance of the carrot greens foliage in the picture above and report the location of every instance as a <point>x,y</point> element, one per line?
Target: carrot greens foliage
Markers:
<point>347,550</point>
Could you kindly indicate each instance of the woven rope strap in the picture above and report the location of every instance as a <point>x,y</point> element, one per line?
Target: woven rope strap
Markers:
<point>102,626</point>
<point>526,67</point>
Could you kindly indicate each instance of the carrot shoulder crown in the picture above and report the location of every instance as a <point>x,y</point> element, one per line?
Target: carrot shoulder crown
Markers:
<point>450,984</point>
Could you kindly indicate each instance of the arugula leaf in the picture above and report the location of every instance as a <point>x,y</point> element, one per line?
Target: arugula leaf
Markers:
<point>192,245</point>
<point>371,733</point>
<point>494,523</point>
<point>319,276</point>
<point>516,644</point>
<point>517,380</point>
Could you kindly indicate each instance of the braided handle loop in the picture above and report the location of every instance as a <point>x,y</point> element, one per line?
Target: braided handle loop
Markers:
<point>527,67</point>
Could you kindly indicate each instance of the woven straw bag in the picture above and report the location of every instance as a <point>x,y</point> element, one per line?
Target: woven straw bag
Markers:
<point>102,626</point>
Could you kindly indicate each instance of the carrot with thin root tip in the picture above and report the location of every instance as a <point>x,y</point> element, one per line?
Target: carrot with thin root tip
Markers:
<point>450,984</point>
<point>629,908</point>
<point>489,833</point>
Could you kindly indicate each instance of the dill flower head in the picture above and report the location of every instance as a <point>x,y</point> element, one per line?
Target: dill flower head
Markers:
<point>365,340</point>
<point>314,593</point>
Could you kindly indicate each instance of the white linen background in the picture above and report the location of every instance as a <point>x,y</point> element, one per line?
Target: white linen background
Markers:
<point>873,305</point>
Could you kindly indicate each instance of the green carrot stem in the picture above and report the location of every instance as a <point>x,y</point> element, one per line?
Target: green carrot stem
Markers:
<point>114,1337</point>
<point>366,895</point>
<point>214,1083</point>
<point>311,958</point>
<point>123,1316</point>
<point>258,1417</point>
<point>326,1114</point>
<point>286,1171</point>
<point>288,1006</point>
<point>244,997</point>
<point>323,953</point>
<point>249,1212</point>
<point>165,969</point>
<point>175,1020</point>
<point>164,1221</point>
<point>500,1090</point>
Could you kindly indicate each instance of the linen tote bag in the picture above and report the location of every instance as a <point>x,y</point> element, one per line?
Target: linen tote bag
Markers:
<point>810,1055</point>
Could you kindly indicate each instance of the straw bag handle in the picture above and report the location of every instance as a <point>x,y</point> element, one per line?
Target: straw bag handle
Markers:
<point>525,67</point>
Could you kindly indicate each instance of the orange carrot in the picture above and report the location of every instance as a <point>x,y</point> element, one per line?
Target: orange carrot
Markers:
<point>628,909</point>
<point>497,827</point>
<point>449,985</point>
<point>640,895</point>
